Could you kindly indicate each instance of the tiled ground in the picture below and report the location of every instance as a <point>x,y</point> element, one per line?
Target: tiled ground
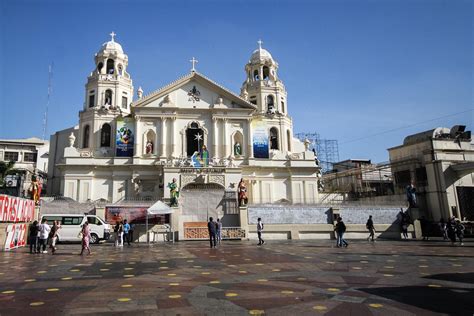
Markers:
<point>239,278</point>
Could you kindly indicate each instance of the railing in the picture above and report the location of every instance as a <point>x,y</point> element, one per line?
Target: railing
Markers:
<point>203,233</point>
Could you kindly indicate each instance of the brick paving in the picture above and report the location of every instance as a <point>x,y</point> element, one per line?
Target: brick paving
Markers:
<point>240,278</point>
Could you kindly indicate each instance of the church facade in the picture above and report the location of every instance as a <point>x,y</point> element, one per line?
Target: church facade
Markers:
<point>192,132</point>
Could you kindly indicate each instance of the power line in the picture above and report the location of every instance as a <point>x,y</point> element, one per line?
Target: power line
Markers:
<point>403,127</point>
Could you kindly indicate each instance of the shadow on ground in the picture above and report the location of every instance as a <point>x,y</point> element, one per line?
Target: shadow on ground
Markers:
<point>448,300</point>
<point>454,277</point>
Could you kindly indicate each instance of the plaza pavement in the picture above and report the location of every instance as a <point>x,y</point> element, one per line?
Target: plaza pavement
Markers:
<point>240,278</point>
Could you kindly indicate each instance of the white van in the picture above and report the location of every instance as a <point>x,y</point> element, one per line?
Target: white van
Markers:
<point>71,225</point>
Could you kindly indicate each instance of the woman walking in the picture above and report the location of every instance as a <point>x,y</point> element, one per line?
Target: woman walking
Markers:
<point>86,236</point>
<point>34,232</point>
<point>53,237</point>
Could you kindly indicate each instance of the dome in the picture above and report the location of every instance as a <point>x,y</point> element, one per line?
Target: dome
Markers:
<point>111,46</point>
<point>260,54</point>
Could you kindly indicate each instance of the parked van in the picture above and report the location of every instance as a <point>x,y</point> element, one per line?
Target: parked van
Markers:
<point>71,225</point>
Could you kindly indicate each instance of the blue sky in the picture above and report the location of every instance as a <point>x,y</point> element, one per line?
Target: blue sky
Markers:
<point>352,69</point>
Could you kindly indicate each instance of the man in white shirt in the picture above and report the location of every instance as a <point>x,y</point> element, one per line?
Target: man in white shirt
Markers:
<point>44,230</point>
<point>259,231</point>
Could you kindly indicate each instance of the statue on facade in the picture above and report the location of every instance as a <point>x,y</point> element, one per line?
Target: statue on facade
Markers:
<point>149,147</point>
<point>204,156</point>
<point>411,195</point>
<point>242,193</point>
<point>237,149</point>
<point>35,189</point>
<point>174,193</point>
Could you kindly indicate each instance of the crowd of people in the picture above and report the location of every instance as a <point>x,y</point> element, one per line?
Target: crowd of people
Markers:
<point>123,231</point>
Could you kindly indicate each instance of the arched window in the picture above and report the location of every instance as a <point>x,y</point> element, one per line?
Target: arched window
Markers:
<point>270,104</point>
<point>85,137</point>
<point>105,134</point>
<point>108,97</point>
<point>274,138</point>
<point>110,66</point>
<point>289,139</point>
<point>266,72</point>
<point>255,75</point>
<point>100,66</point>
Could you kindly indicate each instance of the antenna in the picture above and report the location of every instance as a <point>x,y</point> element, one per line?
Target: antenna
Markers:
<point>45,117</point>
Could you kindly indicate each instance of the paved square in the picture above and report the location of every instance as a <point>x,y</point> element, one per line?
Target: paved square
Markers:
<point>240,278</point>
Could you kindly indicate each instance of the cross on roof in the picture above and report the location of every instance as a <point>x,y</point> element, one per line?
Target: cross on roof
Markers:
<point>113,36</point>
<point>193,61</point>
<point>260,42</point>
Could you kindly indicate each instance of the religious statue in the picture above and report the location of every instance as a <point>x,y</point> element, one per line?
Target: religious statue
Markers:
<point>204,156</point>
<point>242,191</point>
<point>35,189</point>
<point>411,195</point>
<point>237,149</point>
<point>174,193</point>
<point>149,147</point>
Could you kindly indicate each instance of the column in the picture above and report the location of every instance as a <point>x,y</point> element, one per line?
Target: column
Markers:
<point>163,138</point>
<point>226,140</point>
<point>215,141</point>
<point>249,152</point>
<point>138,137</point>
<point>174,138</point>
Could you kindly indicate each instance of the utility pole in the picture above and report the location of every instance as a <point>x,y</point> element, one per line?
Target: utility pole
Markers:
<point>45,117</point>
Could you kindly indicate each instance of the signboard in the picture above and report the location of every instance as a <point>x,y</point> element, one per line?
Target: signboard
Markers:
<point>260,139</point>
<point>16,236</point>
<point>124,137</point>
<point>15,209</point>
<point>134,215</point>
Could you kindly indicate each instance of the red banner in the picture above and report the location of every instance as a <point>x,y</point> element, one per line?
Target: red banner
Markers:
<point>16,236</point>
<point>15,209</point>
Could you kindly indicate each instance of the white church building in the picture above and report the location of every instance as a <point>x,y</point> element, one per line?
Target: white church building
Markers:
<point>193,130</point>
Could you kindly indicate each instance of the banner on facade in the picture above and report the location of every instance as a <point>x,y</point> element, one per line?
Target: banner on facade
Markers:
<point>133,215</point>
<point>15,209</point>
<point>124,138</point>
<point>15,236</point>
<point>260,139</point>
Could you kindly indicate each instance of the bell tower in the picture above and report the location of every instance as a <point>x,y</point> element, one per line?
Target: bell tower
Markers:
<point>108,94</point>
<point>262,86</point>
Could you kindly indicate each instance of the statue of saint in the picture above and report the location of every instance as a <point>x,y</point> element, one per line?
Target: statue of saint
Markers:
<point>149,147</point>
<point>242,191</point>
<point>411,195</point>
<point>35,189</point>
<point>237,149</point>
<point>174,193</point>
<point>204,156</point>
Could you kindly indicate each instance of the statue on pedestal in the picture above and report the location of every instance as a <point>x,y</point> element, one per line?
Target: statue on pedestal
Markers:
<point>174,193</point>
<point>242,192</point>
<point>204,156</point>
<point>35,189</point>
<point>237,149</point>
<point>411,195</point>
<point>149,147</point>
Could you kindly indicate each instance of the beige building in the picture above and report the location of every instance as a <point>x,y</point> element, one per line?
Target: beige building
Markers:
<point>193,130</point>
<point>31,158</point>
<point>440,162</point>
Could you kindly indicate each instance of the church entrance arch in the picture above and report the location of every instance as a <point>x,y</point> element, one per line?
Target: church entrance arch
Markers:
<point>194,139</point>
<point>199,201</point>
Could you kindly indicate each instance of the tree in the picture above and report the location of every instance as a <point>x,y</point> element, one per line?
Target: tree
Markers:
<point>6,168</point>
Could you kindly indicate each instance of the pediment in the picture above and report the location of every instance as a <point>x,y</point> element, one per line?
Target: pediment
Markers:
<point>194,91</point>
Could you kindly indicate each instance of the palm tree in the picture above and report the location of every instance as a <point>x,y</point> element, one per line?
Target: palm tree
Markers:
<point>6,168</point>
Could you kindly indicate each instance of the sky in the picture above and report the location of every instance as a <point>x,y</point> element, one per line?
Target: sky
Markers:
<point>366,73</point>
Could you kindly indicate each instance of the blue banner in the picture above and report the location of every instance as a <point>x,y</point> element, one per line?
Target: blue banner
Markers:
<point>124,139</point>
<point>260,139</point>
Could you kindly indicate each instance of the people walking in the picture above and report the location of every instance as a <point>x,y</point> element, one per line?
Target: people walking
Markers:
<point>404,223</point>
<point>340,229</point>
<point>34,233</point>
<point>118,231</point>
<point>44,230</point>
<point>260,231</point>
<point>425,227</point>
<point>370,226</point>
<point>53,236</point>
<point>460,231</point>
<point>86,236</point>
<point>126,232</point>
<point>219,231</point>
<point>451,227</point>
<point>443,228</point>
<point>212,229</point>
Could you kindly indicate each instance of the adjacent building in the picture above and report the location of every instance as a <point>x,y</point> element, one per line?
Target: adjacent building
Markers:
<point>440,164</point>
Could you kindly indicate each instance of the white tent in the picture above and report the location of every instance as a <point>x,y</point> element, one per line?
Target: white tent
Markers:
<point>159,208</point>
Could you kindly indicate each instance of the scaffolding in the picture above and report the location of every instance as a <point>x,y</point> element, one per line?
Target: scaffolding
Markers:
<point>327,150</point>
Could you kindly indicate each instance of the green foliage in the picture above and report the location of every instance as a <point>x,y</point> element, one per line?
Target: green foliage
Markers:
<point>6,168</point>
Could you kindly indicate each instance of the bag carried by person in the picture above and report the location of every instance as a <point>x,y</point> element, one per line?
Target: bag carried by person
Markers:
<point>80,235</point>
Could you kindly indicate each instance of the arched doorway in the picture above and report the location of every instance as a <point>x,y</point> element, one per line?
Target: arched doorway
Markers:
<point>194,139</point>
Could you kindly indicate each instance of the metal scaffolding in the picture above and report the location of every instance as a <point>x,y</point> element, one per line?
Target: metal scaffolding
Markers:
<point>327,150</point>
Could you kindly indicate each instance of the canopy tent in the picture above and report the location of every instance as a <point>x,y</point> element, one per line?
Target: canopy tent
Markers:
<point>159,208</point>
